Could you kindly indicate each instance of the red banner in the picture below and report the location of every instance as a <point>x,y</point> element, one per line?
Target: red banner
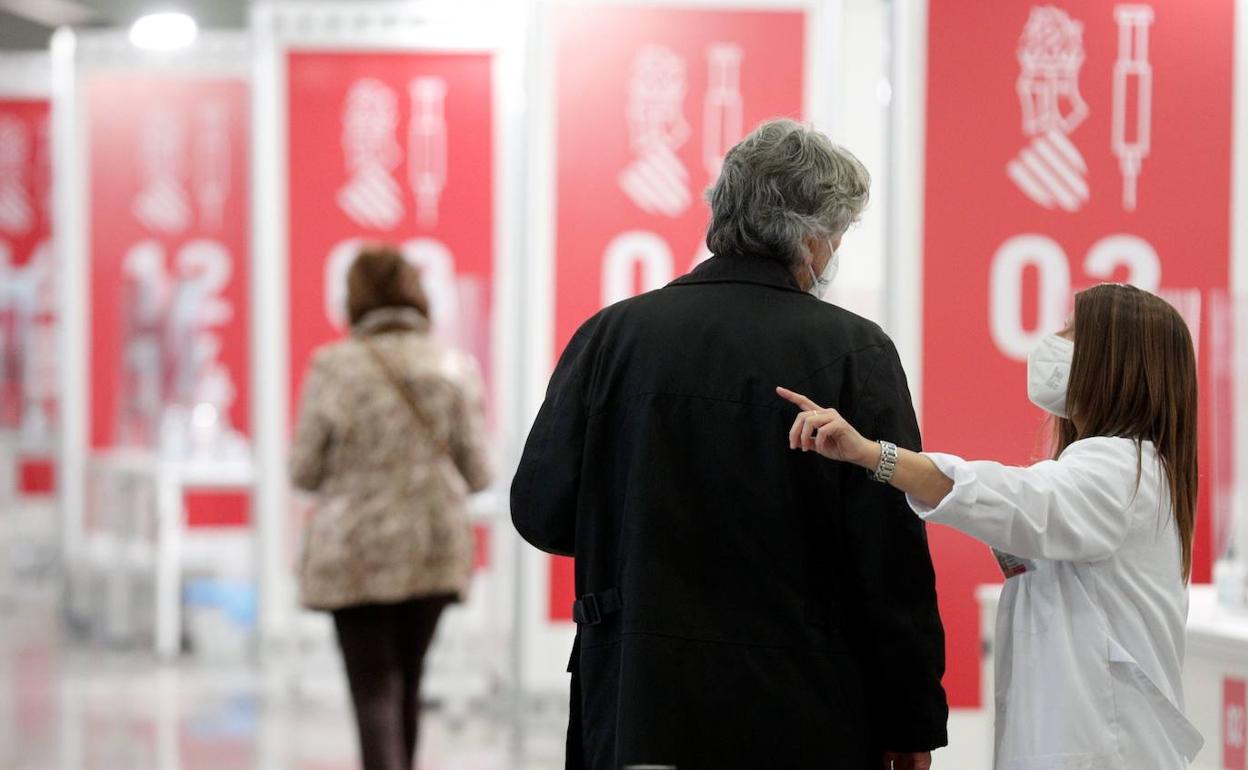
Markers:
<point>27,271</point>
<point>168,245</point>
<point>393,147</point>
<point>1234,723</point>
<point>1066,146</point>
<point>649,101</point>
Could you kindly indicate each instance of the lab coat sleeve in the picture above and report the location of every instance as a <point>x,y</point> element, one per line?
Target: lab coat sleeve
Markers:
<point>900,630</point>
<point>1074,508</point>
<point>545,489</point>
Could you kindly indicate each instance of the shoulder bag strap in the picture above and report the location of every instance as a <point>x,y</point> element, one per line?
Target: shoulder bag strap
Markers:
<point>406,394</point>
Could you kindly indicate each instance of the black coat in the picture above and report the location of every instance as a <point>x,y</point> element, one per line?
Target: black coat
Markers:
<point>752,607</point>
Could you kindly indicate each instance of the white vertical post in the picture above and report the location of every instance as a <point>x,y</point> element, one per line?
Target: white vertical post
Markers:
<point>904,275</point>
<point>73,271</point>
<point>1239,268</point>
<point>170,518</point>
<point>824,93</point>
<point>269,354</point>
<point>532,572</point>
<point>515,80</point>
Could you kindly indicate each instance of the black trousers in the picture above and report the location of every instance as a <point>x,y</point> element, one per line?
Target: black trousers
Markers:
<point>383,647</point>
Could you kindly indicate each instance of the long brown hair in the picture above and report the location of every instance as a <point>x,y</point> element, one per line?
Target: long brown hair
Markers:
<point>1134,376</point>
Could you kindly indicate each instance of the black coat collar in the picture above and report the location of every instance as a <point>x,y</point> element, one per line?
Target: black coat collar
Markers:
<point>742,268</point>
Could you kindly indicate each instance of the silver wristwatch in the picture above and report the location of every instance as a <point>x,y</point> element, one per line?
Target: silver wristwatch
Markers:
<point>888,463</point>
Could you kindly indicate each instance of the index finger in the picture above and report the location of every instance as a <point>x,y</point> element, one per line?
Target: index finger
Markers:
<point>803,403</point>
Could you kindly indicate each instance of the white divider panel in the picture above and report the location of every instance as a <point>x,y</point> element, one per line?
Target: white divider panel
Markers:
<point>546,640</point>
<point>78,57</point>
<point>475,650</point>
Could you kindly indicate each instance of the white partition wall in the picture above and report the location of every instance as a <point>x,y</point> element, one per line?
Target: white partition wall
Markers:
<point>1007,204</point>
<point>600,231</point>
<point>151,207</point>
<point>397,122</point>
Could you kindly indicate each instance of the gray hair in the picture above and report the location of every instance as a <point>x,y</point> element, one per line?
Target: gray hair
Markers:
<point>781,184</point>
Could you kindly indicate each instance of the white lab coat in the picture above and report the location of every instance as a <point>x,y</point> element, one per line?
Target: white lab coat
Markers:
<point>1089,643</point>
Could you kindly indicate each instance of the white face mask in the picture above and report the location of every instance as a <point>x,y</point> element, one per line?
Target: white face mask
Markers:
<point>1048,374</point>
<point>820,283</point>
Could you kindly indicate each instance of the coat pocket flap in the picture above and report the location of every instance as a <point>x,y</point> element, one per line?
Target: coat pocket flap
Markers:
<point>1181,732</point>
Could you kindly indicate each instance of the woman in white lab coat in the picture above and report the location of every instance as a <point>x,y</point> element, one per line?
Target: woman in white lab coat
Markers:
<point>1090,629</point>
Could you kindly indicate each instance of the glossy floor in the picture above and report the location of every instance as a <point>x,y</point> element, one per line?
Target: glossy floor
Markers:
<point>73,706</point>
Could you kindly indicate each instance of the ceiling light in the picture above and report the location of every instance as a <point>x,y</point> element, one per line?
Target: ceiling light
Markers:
<point>164,31</point>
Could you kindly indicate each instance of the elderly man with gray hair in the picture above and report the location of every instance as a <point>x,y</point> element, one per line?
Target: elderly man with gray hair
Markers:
<point>728,615</point>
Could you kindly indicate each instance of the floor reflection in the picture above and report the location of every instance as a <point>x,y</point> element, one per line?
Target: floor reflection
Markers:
<point>73,706</point>
<point>68,705</point>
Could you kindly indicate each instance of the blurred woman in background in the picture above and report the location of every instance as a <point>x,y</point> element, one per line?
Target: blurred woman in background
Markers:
<point>391,439</point>
<point>1096,543</point>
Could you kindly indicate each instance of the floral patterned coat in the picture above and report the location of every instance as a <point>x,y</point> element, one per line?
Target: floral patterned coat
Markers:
<point>391,518</point>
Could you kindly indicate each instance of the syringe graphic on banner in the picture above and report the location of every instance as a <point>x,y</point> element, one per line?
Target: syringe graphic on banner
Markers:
<point>17,214</point>
<point>721,109</point>
<point>1133,96</point>
<point>371,196</point>
<point>1050,170</point>
<point>196,309</point>
<point>182,341</point>
<point>163,205</point>
<point>212,165</point>
<point>144,302</point>
<point>27,342</point>
<point>41,365</point>
<point>426,147</point>
<point>656,180</point>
